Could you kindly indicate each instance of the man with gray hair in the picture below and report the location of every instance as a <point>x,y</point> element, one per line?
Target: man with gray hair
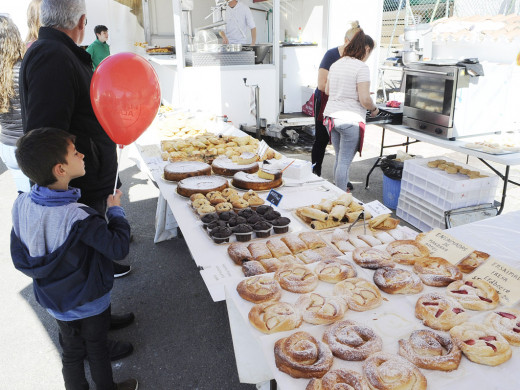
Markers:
<point>54,83</point>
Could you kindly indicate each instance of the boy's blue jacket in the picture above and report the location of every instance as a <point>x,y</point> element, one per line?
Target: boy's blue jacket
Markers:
<point>66,247</point>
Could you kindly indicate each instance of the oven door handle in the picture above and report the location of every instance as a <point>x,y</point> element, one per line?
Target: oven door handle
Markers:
<point>429,72</point>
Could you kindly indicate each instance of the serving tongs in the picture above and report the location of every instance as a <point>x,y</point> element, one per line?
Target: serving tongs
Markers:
<point>360,217</point>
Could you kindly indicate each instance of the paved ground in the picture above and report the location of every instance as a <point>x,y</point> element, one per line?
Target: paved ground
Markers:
<point>181,338</point>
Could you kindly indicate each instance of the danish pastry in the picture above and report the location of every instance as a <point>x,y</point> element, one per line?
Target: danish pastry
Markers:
<point>320,225</point>
<point>309,256</point>
<point>333,271</point>
<point>440,312</point>
<point>274,316</point>
<point>296,278</point>
<point>302,356</point>
<point>338,212</point>
<point>252,268</point>
<point>436,271</point>
<point>278,248</point>
<point>372,258</point>
<point>325,205</point>
<point>344,246</point>
<point>407,251</point>
<point>384,371</point>
<point>314,213</point>
<point>357,243</point>
<point>339,235</point>
<point>259,251</point>
<point>239,253</point>
<point>295,244</point>
<point>339,379</point>
<point>327,252</point>
<point>370,240</point>
<point>397,281</point>
<point>290,259</point>
<point>351,341</point>
<point>271,264</point>
<point>384,237</point>
<point>360,294</point>
<point>472,261</point>
<point>481,344</point>
<point>507,323</point>
<point>430,350</point>
<point>258,289</point>
<point>344,199</point>
<point>312,240</point>
<point>474,294</point>
<point>318,309</point>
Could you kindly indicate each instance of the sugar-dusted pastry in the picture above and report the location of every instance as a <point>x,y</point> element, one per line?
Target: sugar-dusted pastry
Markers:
<point>372,258</point>
<point>318,309</point>
<point>312,240</point>
<point>259,251</point>
<point>397,281</point>
<point>430,350</point>
<point>436,271</point>
<point>278,247</point>
<point>384,371</point>
<point>302,356</point>
<point>344,199</point>
<point>356,242</point>
<point>474,294</point>
<point>320,225</point>
<point>360,294</point>
<point>339,235</point>
<point>252,268</point>
<point>384,237</point>
<point>338,212</point>
<point>271,264</point>
<point>274,316</point>
<point>507,323</point>
<point>349,340</point>
<point>290,259</point>
<point>334,271</point>
<point>352,216</point>
<point>369,239</point>
<point>313,213</point>
<point>407,251</point>
<point>260,288</point>
<point>239,253</point>
<point>295,244</point>
<point>472,261</point>
<point>344,246</point>
<point>325,205</point>
<point>309,256</point>
<point>327,252</point>
<point>339,379</point>
<point>481,343</point>
<point>296,278</point>
<point>397,234</point>
<point>440,312</point>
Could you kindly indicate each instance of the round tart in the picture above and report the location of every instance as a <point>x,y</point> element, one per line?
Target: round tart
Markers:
<point>179,170</point>
<point>226,167</point>
<point>251,181</point>
<point>201,184</point>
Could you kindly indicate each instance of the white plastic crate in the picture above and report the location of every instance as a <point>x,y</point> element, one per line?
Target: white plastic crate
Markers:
<point>419,213</point>
<point>447,191</point>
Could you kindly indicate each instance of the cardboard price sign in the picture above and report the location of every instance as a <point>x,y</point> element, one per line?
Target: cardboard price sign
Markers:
<point>274,197</point>
<point>504,278</point>
<point>441,244</point>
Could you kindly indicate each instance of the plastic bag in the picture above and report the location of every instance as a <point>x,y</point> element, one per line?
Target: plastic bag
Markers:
<point>391,167</point>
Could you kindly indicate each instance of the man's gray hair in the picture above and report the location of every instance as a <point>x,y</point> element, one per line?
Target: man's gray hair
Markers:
<point>63,14</point>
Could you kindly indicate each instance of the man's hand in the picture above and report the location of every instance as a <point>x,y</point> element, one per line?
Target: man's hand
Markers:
<point>225,41</point>
<point>114,200</point>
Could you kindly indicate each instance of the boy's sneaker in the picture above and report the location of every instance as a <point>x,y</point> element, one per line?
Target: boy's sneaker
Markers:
<point>129,384</point>
<point>121,270</point>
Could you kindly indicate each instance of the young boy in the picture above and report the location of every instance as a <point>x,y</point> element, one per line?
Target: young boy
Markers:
<point>67,248</point>
<point>99,49</point>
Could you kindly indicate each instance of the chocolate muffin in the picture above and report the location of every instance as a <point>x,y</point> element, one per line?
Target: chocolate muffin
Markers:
<point>234,221</point>
<point>212,225</point>
<point>243,232</point>
<point>246,213</point>
<point>262,229</point>
<point>271,215</point>
<point>281,225</point>
<point>263,209</point>
<point>227,215</point>
<point>220,234</point>
<point>254,219</point>
<point>208,218</point>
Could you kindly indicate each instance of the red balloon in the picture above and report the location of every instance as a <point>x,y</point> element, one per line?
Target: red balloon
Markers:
<point>125,95</point>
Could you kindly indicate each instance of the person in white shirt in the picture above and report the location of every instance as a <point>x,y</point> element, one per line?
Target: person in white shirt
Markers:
<point>348,87</point>
<point>239,20</point>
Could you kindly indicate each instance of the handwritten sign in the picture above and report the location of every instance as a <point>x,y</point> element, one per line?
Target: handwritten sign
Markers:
<point>504,278</point>
<point>376,208</point>
<point>441,244</point>
<point>274,197</point>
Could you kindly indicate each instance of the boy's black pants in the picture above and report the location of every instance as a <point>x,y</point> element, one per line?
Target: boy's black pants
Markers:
<point>86,338</point>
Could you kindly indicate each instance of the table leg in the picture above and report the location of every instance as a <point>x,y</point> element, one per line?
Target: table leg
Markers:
<point>382,144</point>
<point>371,170</point>
<point>505,178</point>
<point>273,384</point>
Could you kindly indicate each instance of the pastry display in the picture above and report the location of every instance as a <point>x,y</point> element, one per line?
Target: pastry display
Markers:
<point>481,344</point>
<point>296,278</point>
<point>507,323</point>
<point>252,181</point>
<point>274,316</point>
<point>440,312</point>
<point>407,251</point>
<point>201,184</point>
<point>360,294</point>
<point>384,371</point>
<point>436,271</point>
<point>334,271</point>
<point>302,356</point>
<point>397,281</point>
<point>472,261</point>
<point>339,379</point>
<point>258,289</point>
<point>177,171</point>
<point>351,341</point>
<point>430,350</point>
<point>318,309</point>
<point>227,167</point>
<point>372,258</point>
<point>474,294</point>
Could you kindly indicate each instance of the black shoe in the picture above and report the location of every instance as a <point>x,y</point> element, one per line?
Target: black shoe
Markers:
<point>121,270</point>
<point>350,187</point>
<point>119,349</point>
<point>129,384</point>
<point>121,321</point>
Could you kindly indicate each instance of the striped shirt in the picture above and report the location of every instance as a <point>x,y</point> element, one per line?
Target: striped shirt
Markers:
<point>344,75</point>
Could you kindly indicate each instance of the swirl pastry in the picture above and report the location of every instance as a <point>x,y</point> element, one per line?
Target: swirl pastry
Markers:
<point>258,289</point>
<point>319,310</point>
<point>397,281</point>
<point>472,261</point>
<point>481,344</point>
<point>360,294</point>
<point>339,379</point>
<point>384,371</point>
<point>333,271</point>
<point>274,316</point>
<point>439,312</point>
<point>430,350</point>
<point>507,323</point>
<point>296,278</point>
<point>302,356</point>
<point>436,271</point>
<point>473,294</point>
<point>407,251</point>
<point>349,340</point>
<point>372,258</point>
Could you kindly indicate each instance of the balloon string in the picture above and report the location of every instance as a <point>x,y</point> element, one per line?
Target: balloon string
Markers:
<point>119,151</point>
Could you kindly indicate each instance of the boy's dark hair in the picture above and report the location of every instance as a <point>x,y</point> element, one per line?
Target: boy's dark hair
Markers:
<point>38,151</point>
<point>99,29</point>
<point>357,46</point>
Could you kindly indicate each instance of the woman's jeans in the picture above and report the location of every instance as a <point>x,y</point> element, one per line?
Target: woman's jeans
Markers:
<point>9,159</point>
<point>345,139</point>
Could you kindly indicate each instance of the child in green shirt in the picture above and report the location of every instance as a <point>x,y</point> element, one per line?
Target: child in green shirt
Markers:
<point>99,49</point>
